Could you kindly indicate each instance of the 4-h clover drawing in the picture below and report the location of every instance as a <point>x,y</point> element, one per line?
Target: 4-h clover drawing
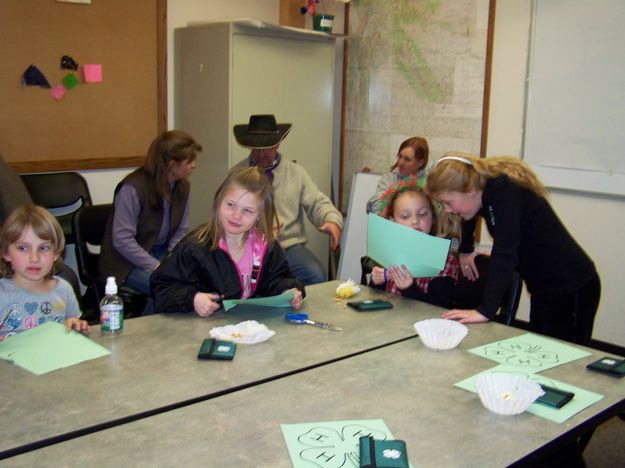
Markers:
<point>529,352</point>
<point>330,448</point>
<point>521,354</point>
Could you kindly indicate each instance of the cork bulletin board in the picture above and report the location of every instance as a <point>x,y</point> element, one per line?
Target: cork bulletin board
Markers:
<point>94,125</point>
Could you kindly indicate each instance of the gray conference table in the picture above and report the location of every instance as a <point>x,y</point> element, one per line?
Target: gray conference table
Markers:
<point>407,385</point>
<point>153,366</point>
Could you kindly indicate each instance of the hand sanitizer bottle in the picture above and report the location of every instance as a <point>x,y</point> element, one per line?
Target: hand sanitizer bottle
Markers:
<point>111,310</point>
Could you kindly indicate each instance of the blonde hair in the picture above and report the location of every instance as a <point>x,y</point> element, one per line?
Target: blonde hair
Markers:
<point>464,172</point>
<point>449,224</point>
<point>255,182</point>
<point>44,226</point>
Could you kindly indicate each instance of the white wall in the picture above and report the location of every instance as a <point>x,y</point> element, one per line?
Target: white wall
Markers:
<point>597,222</point>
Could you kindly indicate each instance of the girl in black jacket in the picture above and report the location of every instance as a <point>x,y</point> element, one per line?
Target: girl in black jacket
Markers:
<point>527,237</point>
<point>233,256</point>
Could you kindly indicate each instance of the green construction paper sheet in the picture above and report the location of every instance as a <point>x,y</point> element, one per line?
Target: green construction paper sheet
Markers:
<point>389,243</point>
<point>49,347</point>
<point>582,399</point>
<point>331,444</point>
<point>530,353</point>
<point>281,300</point>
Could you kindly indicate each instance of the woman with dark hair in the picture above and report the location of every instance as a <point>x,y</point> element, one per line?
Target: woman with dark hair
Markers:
<point>412,161</point>
<point>150,211</point>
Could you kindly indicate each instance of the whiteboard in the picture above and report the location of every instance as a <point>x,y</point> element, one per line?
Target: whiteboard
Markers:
<point>354,239</point>
<point>575,110</point>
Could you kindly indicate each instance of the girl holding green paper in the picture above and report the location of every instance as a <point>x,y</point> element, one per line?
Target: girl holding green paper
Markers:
<point>234,256</point>
<point>407,204</point>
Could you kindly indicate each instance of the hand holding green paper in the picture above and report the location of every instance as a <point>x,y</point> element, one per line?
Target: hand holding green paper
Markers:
<point>391,244</point>
<point>280,300</point>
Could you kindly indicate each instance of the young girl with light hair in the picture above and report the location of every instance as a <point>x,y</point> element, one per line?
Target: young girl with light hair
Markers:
<point>233,256</point>
<point>32,242</point>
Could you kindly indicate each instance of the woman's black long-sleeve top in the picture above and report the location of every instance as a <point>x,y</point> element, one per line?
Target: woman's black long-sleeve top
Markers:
<point>528,237</point>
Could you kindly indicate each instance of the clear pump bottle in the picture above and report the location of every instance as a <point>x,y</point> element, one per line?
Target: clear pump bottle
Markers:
<point>111,310</point>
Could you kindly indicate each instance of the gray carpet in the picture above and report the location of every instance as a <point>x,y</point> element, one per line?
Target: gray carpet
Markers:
<point>607,446</point>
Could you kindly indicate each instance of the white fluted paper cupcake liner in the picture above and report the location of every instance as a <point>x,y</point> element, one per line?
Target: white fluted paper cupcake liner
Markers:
<point>441,333</point>
<point>508,394</point>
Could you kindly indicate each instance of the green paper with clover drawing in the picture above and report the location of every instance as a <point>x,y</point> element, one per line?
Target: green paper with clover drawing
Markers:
<point>531,352</point>
<point>330,443</point>
<point>583,398</point>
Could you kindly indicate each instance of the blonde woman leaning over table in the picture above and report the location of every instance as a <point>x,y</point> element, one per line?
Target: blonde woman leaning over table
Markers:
<point>527,236</point>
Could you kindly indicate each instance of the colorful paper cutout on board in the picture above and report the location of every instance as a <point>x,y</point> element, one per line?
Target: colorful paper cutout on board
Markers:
<point>389,243</point>
<point>69,81</point>
<point>32,76</point>
<point>92,73</point>
<point>57,92</point>
<point>281,300</point>
<point>68,63</point>
<point>530,352</point>
<point>49,347</point>
<point>330,444</point>
<point>582,399</point>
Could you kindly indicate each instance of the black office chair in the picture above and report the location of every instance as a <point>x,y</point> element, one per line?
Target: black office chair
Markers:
<point>70,276</point>
<point>366,266</point>
<point>57,191</point>
<point>89,224</point>
<point>468,294</point>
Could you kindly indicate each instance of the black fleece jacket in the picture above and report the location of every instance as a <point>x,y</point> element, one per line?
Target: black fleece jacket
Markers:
<point>528,237</point>
<point>192,267</point>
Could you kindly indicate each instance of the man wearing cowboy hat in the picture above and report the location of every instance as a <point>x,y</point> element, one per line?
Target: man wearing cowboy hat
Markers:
<point>295,195</point>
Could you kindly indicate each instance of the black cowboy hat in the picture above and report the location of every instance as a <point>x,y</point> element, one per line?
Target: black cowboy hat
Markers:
<point>262,131</point>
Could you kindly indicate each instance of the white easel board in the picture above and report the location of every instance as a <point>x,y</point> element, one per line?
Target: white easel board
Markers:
<point>354,239</point>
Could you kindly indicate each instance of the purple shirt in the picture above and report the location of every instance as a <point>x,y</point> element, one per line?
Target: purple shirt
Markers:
<point>127,210</point>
